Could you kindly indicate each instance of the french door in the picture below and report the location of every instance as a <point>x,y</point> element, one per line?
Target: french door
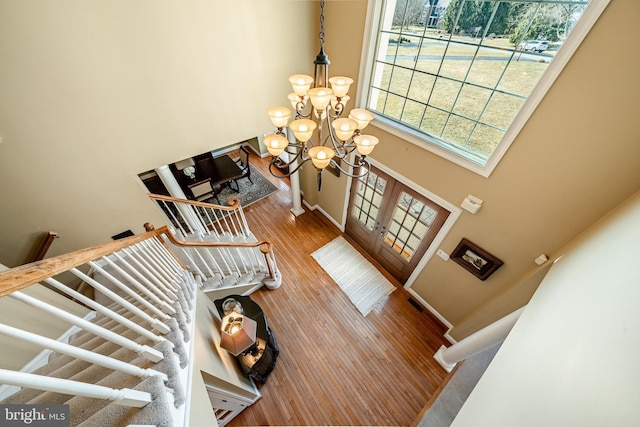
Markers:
<point>393,223</point>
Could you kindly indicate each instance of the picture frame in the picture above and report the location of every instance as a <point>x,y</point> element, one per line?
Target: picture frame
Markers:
<point>475,260</point>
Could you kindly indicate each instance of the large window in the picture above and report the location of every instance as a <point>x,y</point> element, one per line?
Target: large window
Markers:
<point>463,76</point>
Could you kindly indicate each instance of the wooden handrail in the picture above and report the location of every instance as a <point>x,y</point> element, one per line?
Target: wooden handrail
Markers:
<point>185,244</point>
<point>26,275</point>
<point>233,203</point>
<point>264,245</point>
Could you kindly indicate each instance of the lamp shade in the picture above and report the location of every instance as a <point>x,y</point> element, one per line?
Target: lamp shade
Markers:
<point>303,129</point>
<point>279,116</point>
<point>300,83</point>
<point>321,156</point>
<point>340,85</point>
<point>365,143</point>
<point>320,97</point>
<point>275,144</point>
<point>344,128</point>
<point>362,116</point>
<point>237,333</point>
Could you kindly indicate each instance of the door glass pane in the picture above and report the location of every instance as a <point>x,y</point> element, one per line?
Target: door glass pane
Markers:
<point>409,224</point>
<point>368,198</point>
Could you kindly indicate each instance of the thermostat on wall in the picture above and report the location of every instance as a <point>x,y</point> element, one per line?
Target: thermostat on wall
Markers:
<point>471,204</point>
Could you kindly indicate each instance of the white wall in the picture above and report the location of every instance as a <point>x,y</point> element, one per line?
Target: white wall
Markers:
<point>94,92</point>
<point>572,358</point>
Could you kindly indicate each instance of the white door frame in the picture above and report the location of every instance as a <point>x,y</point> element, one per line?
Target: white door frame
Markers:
<point>431,251</point>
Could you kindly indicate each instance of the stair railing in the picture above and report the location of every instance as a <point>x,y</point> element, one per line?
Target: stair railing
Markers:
<point>151,277</point>
<point>125,397</point>
<point>166,285</point>
<point>212,222</point>
<point>220,264</point>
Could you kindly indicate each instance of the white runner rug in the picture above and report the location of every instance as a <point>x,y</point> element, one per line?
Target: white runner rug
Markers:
<point>362,282</point>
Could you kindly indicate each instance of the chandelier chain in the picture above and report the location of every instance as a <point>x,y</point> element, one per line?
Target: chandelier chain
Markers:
<point>321,34</point>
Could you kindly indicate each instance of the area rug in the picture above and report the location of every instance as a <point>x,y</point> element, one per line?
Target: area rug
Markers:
<point>365,286</point>
<point>249,192</point>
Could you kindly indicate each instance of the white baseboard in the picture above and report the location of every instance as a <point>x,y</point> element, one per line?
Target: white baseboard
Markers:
<point>433,311</point>
<point>322,211</point>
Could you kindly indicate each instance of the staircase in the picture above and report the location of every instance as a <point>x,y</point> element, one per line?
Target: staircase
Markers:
<point>144,349</point>
<point>240,263</point>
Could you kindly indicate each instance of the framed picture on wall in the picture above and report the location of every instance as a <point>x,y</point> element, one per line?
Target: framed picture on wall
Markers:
<point>474,259</point>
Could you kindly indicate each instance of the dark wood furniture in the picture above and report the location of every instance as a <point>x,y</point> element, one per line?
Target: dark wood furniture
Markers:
<point>243,163</point>
<point>203,190</point>
<point>218,172</point>
<point>257,361</point>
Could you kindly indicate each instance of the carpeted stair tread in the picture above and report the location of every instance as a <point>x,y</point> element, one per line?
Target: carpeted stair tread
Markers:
<point>79,370</point>
<point>103,320</point>
<point>155,413</point>
<point>81,407</point>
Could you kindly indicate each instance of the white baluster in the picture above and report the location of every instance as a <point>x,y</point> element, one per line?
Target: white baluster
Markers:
<point>79,353</point>
<point>115,297</point>
<point>125,396</point>
<point>144,350</point>
<point>113,315</point>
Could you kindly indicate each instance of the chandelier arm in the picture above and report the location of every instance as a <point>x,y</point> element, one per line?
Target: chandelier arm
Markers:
<point>362,160</point>
<point>300,106</point>
<point>342,149</point>
<point>337,111</point>
<point>272,165</point>
<point>362,163</point>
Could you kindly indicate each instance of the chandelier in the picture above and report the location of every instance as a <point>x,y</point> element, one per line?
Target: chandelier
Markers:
<point>322,134</point>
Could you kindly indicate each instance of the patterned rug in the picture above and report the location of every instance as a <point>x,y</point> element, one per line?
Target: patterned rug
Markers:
<point>249,192</point>
<point>365,286</point>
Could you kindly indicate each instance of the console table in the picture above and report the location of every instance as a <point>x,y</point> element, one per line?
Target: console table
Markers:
<point>257,361</point>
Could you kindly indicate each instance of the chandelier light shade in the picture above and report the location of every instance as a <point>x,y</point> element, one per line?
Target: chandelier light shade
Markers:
<point>303,129</point>
<point>362,116</point>
<point>324,134</point>
<point>238,333</point>
<point>365,143</point>
<point>275,144</point>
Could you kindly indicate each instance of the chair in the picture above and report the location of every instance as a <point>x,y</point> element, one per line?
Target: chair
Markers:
<point>203,190</point>
<point>243,162</point>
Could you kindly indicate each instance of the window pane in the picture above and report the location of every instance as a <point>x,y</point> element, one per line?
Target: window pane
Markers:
<point>367,199</point>
<point>459,71</point>
<point>413,113</point>
<point>409,224</point>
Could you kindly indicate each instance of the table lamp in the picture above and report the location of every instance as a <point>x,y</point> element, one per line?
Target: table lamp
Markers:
<point>238,333</point>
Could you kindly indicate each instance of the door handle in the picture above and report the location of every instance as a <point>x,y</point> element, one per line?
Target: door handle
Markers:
<point>383,230</point>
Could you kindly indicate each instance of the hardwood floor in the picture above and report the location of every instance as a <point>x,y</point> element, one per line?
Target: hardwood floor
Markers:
<point>335,367</point>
